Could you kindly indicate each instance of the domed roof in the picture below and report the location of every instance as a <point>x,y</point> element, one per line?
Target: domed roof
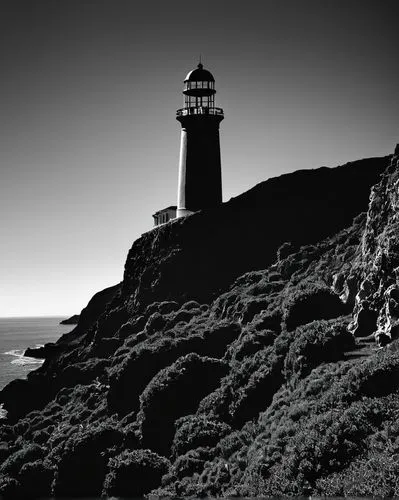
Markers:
<point>199,75</point>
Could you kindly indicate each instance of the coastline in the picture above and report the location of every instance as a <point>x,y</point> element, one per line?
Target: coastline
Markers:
<point>17,335</point>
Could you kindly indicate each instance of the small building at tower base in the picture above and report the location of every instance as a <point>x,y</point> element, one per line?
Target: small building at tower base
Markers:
<point>165,215</point>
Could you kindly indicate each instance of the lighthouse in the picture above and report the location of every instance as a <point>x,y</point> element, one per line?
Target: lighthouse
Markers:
<point>200,174</point>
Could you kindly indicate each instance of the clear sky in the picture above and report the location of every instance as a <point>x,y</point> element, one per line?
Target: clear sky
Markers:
<point>88,138</point>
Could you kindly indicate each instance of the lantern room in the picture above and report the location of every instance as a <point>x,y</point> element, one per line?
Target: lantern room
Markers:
<point>199,89</point>
<point>199,94</point>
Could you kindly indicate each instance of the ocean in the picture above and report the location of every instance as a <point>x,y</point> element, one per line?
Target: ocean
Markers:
<point>16,335</point>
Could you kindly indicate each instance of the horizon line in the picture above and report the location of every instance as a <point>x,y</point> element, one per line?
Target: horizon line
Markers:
<point>38,316</point>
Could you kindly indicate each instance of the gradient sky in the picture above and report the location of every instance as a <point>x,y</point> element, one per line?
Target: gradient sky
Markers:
<point>89,143</point>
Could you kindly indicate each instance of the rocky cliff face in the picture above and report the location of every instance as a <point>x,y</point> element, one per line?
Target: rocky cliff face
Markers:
<point>234,357</point>
<point>377,268</point>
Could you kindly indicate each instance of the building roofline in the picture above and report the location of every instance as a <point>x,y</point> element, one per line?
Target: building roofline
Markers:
<point>171,207</point>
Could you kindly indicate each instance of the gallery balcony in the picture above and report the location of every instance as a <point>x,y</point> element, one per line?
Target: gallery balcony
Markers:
<point>201,110</point>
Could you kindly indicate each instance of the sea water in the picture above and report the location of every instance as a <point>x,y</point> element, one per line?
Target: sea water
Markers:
<point>16,335</point>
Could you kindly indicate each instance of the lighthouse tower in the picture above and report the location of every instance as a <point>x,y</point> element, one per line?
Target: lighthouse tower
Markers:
<point>200,176</point>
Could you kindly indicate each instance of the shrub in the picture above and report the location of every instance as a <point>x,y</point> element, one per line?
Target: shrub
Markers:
<point>250,342</point>
<point>134,473</point>
<point>255,395</point>
<point>173,393</point>
<point>250,386</point>
<point>312,301</point>
<point>195,431</point>
<point>81,373</point>
<point>82,463</point>
<point>377,376</point>
<point>40,437</point>
<point>331,440</point>
<point>165,307</point>
<point>253,307</point>
<point>315,343</point>
<point>218,338</point>
<point>36,478</point>
<point>10,488</point>
<point>236,441</point>
<point>143,362</point>
<point>4,451</point>
<point>191,304</point>
<point>14,462</point>
<point>147,359</point>
<point>375,475</point>
<point>133,326</point>
<point>155,323</point>
<point>190,463</point>
<point>184,316</point>
<point>106,347</point>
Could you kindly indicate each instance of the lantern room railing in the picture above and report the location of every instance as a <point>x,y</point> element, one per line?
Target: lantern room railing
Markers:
<point>201,110</point>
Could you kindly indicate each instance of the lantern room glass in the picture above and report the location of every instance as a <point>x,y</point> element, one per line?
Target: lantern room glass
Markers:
<point>199,101</point>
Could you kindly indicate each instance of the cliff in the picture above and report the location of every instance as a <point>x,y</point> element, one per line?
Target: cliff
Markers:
<point>250,350</point>
<point>198,256</point>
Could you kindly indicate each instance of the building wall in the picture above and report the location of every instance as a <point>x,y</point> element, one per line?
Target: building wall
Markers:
<point>164,216</point>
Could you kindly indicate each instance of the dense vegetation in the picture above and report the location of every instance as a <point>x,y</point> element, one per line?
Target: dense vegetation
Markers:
<point>268,385</point>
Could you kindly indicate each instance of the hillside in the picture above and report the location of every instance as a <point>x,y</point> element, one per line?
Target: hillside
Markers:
<point>250,350</point>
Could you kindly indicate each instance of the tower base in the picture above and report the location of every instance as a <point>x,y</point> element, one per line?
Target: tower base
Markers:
<point>182,212</point>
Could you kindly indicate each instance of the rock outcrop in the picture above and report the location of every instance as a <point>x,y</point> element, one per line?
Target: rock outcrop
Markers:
<point>73,320</point>
<point>377,268</point>
<point>42,352</point>
<point>234,359</point>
